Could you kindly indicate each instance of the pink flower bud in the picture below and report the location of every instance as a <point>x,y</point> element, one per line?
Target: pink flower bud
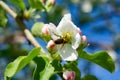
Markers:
<point>69,75</point>
<point>45,29</point>
<point>84,39</point>
<point>79,31</point>
<point>52,2</point>
<point>51,45</point>
<point>43,1</point>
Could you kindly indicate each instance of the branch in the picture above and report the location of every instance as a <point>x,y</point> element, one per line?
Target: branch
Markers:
<point>21,24</point>
<point>5,7</point>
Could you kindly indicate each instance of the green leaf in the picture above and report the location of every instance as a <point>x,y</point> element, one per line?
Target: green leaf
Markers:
<point>47,72</point>
<point>44,69</point>
<point>19,3</point>
<point>15,66</point>
<point>57,65</point>
<point>3,18</point>
<point>38,4</point>
<point>73,66</point>
<point>49,5</point>
<point>40,66</point>
<point>89,77</point>
<point>101,58</point>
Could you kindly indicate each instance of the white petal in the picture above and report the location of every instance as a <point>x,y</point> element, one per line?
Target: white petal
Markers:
<point>67,53</point>
<point>52,25</point>
<point>66,26</point>
<point>68,16</point>
<point>53,32</point>
<point>76,41</point>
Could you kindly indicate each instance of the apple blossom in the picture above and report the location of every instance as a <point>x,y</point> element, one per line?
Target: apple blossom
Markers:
<point>67,38</point>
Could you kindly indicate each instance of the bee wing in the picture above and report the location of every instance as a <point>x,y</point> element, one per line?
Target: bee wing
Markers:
<point>53,31</point>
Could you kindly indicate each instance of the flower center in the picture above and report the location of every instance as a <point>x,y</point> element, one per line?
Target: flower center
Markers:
<point>66,37</point>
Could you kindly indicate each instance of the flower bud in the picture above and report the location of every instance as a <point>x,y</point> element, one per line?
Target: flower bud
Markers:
<point>45,33</point>
<point>79,31</point>
<point>51,45</point>
<point>43,1</point>
<point>69,75</point>
<point>84,39</point>
<point>45,29</point>
<point>52,2</point>
<point>27,15</point>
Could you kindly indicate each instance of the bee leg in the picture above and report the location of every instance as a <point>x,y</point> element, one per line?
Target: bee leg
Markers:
<point>56,35</point>
<point>62,45</point>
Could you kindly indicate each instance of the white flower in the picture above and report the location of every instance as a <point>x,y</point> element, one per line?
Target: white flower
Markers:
<point>67,36</point>
<point>69,75</point>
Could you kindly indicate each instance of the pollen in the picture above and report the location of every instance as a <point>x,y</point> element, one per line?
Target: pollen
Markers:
<point>67,37</point>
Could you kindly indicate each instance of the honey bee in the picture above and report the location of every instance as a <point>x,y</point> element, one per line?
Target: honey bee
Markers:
<point>61,40</point>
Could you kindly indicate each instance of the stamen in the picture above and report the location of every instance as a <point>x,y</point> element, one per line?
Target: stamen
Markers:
<point>66,37</point>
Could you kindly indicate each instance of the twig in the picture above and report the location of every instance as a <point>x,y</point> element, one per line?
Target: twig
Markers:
<point>5,7</point>
<point>21,24</point>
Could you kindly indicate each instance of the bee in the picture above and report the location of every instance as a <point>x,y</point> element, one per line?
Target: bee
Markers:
<point>61,39</point>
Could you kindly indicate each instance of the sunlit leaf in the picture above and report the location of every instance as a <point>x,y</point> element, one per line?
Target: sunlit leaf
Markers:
<point>89,77</point>
<point>57,65</point>
<point>40,66</point>
<point>15,66</point>
<point>19,3</point>
<point>3,18</point>
<point>38,4</point>
<point>44,69</point>
<point>49,5</point>
<point>101,58</point>
<point>47,72</point>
